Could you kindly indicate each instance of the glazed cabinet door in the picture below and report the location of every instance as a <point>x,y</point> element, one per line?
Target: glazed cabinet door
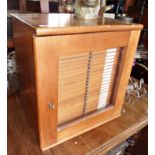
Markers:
<point>78,79</point>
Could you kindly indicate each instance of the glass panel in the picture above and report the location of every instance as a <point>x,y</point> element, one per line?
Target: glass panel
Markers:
<point>72,84</point>
<point>86,83</point>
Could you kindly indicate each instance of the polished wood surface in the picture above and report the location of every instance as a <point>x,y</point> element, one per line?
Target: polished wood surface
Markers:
<point>46,75</point>
<point>40,61</point>
<point>83,43</point>
<point>55,24</point>
<point>10,43</point>
<point>72,42</point>
<point>24,56</point>
<point>125,70</point>
<point>21,138</point>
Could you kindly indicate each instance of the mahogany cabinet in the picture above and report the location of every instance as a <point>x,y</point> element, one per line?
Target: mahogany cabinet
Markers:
<point>73,73</point>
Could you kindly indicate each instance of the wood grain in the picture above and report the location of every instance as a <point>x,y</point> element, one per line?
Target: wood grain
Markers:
<point>58,24</point>
<point>10,43</point>
<point>104,138</point>
<point>87,123</point>
<point>25,65</point>
<point>124,70</point>
<point>100,140</point>
<point>102,41</point>
<point>53,59</point>
<point>46,73</point>
<point>21,138</point>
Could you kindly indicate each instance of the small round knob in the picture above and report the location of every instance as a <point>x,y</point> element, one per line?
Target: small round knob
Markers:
<point>51,106</point>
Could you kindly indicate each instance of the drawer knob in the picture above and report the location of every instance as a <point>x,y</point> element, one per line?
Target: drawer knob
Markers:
<point>51,106</point>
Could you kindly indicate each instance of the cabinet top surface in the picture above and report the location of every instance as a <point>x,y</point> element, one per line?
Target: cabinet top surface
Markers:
<point>54,24</point>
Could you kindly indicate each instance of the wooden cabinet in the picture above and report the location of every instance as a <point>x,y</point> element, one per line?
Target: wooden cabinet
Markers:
<point>73,73</point>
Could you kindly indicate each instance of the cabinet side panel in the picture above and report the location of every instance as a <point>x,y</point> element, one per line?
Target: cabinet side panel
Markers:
<point>25,65</point>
